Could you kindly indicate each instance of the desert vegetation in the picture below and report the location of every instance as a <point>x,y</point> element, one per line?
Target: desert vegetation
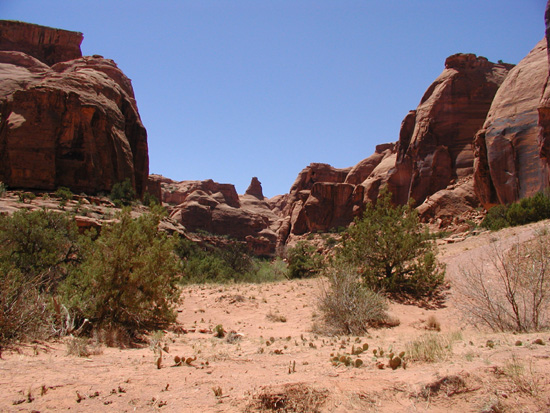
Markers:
<point>530,209</point>
<point>55,280</point>
<point>326,314</point>
<point>509,290</point>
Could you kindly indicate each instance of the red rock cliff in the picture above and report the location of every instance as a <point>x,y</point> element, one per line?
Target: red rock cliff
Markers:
<point>46,44</point>
<point>74,123</point>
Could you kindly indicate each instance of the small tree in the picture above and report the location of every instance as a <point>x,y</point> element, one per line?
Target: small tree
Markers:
<point>123,193</point>
<point>391,250</point>
<point>129,277</point>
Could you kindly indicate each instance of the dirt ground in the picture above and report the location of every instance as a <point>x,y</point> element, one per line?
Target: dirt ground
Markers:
<point>271,359</point>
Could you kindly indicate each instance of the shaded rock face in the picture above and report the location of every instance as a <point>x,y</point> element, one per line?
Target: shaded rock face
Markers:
<point>218,209</point>
<point>74,123</point>
<point>513,147</point>
<point>435,143</point>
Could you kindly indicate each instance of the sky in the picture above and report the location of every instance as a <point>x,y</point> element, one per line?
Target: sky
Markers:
<point>231,89</point>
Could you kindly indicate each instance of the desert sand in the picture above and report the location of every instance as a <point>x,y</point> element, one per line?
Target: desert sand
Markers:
<point>272,358</point>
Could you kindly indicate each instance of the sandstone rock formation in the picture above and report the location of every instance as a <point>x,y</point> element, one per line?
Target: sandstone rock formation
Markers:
<point>435,144</point>
<point>65,120</point>
<point>432,162</point>
<point>46,44</point>
<point>513,146</point>
<point>218,209</point>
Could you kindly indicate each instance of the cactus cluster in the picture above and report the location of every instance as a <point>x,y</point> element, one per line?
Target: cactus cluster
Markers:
<point>394,361</point>
<point>347,359</point>
<point>181,361</point>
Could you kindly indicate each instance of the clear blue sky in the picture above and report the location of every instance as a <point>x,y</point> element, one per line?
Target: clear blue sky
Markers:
<point>231,89</point>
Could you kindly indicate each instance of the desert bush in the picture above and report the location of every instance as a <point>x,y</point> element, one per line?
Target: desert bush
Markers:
<point>150,200</point>
<point>23,307</point>
<point>128,279</point>
<point>392,251</point>
<point>64,194</point>
<point>38,250</point>
<point>347,305</point>
<point>230,263</point>
<point>264,270</point>
<point>205,263</point>
<point>496,218</point>
<point>513,292</point>
<point>123,193</point>
<point>303,261</point>
<point>26,196</point>
<point>530,209</point>
<point>3,189</point>
<point>41,245</point>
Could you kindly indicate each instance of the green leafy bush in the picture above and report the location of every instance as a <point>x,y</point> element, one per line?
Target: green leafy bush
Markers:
<point>123,193</point>
<point>3,189</point>
<point>531,209</point>
<point>64,194</point>
<point>303,261</point>
<point>391,250</point>
<point>128,279</point>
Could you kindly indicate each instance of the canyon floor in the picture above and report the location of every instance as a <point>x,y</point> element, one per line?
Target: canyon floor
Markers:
<point>277,361</point>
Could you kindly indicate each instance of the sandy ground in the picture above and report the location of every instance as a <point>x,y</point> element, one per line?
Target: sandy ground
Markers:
<point>276,360</point>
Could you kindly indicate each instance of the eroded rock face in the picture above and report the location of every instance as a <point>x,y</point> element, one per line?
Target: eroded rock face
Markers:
<point>74,123</point>
<point>46,44</point>
<point>512,147</point>
<point>218,209</point>
<point>435,144</point>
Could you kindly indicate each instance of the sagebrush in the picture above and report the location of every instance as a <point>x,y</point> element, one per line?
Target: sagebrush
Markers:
<point>512,291</point>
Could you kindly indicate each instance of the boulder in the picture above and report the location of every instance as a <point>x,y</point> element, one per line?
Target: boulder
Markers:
<point>74,123</point>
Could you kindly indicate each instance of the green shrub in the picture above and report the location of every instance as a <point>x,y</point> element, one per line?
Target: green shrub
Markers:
<point>26,196</point>
<point>531,209</point>
<point>41,245</point>
<point>348,306</point>
<point>128,279</point>
<point>150,200</point>
<point>3,189</point>
<point>303,261</point>
<point>263,271</point>
<point>64,194</point>
<point>123,193</point>
<point>38,249</point>
<point>391,250</point>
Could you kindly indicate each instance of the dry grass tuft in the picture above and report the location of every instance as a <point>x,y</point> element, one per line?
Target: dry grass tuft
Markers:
<point>296,397</point>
